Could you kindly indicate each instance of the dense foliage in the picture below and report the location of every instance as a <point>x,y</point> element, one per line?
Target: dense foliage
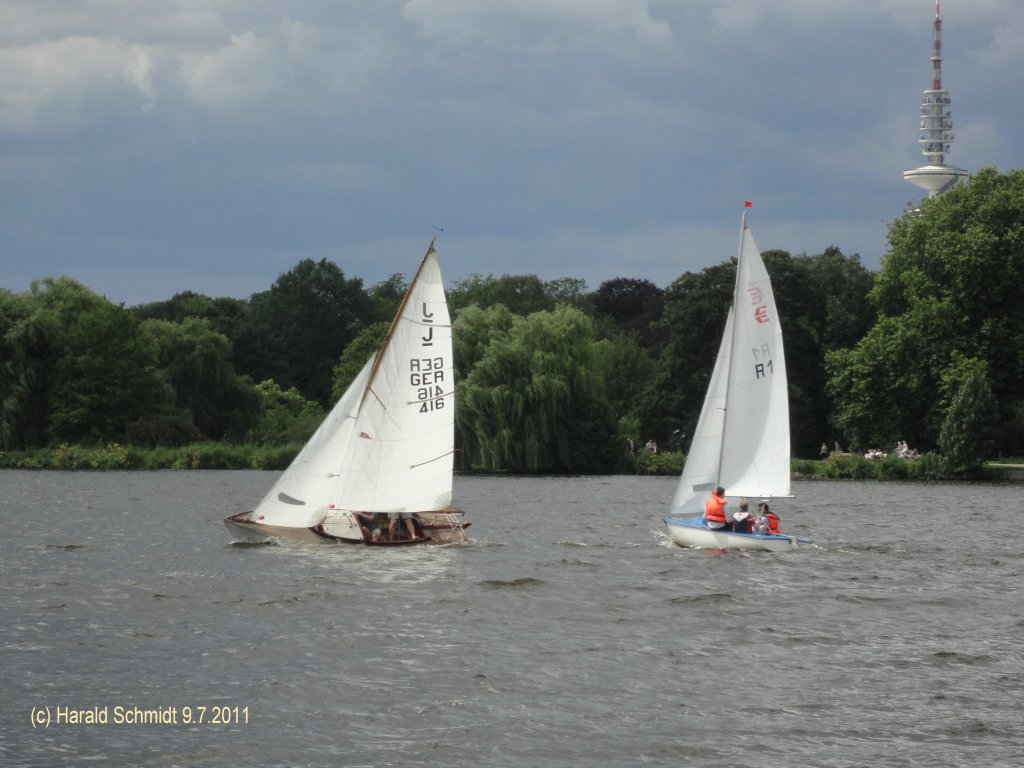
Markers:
<point>535,401</point>
<point>551,377</point>
<point>941,366</point>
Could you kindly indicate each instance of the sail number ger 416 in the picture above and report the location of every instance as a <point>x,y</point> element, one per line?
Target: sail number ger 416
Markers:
<point>427,375</point>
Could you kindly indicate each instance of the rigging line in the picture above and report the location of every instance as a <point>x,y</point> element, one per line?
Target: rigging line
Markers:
<point>420,322</point>
<point>377,398</point>
<point>430,461</point>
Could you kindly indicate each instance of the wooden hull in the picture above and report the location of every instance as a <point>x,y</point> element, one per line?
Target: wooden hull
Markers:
<point>693,532</point>
<point>245,530</point>
<point>439,527</point>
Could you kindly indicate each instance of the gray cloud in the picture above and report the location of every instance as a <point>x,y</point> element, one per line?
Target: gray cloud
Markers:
<point>149,147</point>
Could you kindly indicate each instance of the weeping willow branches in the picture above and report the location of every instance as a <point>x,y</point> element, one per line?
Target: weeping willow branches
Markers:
<point>534,401</point>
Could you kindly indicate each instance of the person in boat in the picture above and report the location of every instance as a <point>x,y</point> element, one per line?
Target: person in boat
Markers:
<point>716,511</point>
<point>760,524</point>
<point>369,525</point>
<point>410,525</point>
<point>742,519</point>
<point>766,520</point>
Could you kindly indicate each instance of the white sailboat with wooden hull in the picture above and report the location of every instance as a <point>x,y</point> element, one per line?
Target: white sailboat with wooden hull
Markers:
<point>742,438</point>
<point>385,450</point>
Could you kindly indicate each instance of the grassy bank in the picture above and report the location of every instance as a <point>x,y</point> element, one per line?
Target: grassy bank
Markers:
<point>224,456</point>
<point>929,466</point>
<point>116,456</point>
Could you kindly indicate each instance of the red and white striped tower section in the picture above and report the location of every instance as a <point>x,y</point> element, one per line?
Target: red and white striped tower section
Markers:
<point>936,135</point>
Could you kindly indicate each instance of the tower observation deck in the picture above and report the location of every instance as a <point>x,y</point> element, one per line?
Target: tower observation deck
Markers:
<point>936,136</point>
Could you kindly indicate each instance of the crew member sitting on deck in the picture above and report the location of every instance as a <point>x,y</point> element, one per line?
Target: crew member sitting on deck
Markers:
<point>767,521</point>
<point>369,525</point>
<point>393,518</point>
<point>742,518</point>
<point>716,511</point>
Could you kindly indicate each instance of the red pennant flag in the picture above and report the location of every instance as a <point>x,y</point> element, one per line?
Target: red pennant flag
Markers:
<point>748,204</point>
<point>365,436</point>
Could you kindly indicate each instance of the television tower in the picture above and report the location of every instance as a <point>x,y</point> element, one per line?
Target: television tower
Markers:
<point>936,135</point>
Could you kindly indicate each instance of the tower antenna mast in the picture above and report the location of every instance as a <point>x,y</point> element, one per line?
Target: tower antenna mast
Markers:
<point>936,127</point>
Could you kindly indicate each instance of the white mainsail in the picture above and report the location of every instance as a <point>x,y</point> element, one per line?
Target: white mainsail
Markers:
<point>742,438</point>
<point>388,444</point>
<point>401,448</point>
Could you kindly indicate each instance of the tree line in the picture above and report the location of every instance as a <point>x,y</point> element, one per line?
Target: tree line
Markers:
<point>551,376</point>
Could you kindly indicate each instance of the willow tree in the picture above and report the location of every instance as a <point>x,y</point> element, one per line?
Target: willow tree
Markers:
<point>45,379</point>
<point>27,355</point>
<point>968,433</point>
<point>195,360</point>
<point>535,402</point>
<point>105,377</point>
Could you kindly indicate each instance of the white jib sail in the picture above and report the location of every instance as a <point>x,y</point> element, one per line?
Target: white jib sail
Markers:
<point>742,439</point>
<point>300,497</point>
<point>401,447</point>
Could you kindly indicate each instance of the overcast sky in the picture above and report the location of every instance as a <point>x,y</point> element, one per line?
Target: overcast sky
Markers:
<point>154,146</point>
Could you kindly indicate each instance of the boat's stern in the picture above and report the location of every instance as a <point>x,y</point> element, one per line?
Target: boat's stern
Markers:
<point>444,526</point>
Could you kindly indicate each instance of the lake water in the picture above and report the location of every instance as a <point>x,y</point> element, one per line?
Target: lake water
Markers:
<point>568,632</point>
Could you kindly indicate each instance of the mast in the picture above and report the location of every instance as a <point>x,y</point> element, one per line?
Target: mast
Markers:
<point>391,329</point>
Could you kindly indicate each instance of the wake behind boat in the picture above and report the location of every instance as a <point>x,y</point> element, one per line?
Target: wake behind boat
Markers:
<point>378,469</point>
<point>742,437</point>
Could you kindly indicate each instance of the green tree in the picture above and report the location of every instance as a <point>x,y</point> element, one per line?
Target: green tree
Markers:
<point>224,313</point>
<point>387,295</point>
<point>196,362</point>
<point>832,313</point>
<point>625,367</point>
<point>27,355</point>
<point>633,305</point>
<point>535,402</point>
<point>571,291</point>
<point>105,377</point>
<point>522,294</point>
<point>818,299</point>
<point>33,337</point>
<point>352,360</point>
<point>838,289</point>
<point>286,417</point>
<point>473,332</point>
<point>945,292</point>
<point>967,434</point>
<point>693,320</point>
<point>884,388</point>
<point>295,331</point>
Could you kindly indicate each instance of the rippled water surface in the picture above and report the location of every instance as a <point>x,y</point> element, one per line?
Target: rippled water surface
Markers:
<point>568,632</point>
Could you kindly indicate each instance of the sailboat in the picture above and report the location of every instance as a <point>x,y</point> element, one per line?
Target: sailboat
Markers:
<point>378,469</point>
<point>742,439</point>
